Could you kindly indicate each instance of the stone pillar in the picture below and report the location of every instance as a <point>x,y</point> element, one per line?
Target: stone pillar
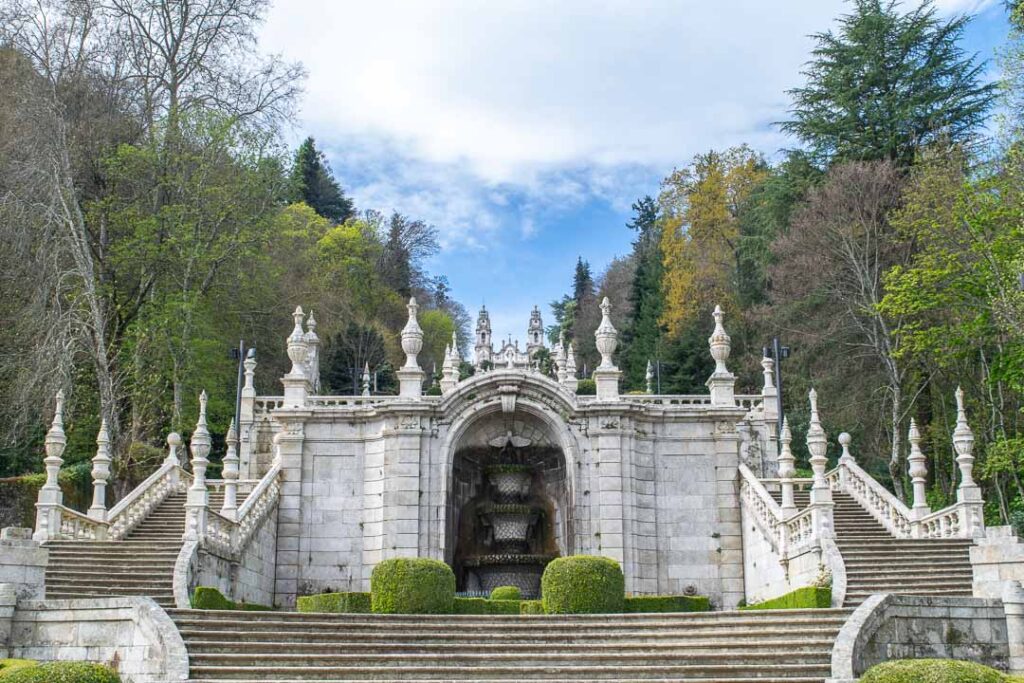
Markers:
<point>968,495</point>
<point>295,383</point>
<point>312,369</point>
<point>606,376</point>
<point>8,601</point>
<point>769,392</point>
<point>446,371</point>
<point>410,376</point>
<point>197,501</point>
<point>821,493</point>
<point>1013,603</point>
<point>727,498</point>
<point>230,474</point>
<point>722,383</point>
<point>649,377</point>
<point>288,448</point>
<point>918,472</point>
<point>247,416</point>
<point>786,470</point>
<point>23,563</point>
<point>571,382</point>
<point>100,474</point>
<point>50,496</point>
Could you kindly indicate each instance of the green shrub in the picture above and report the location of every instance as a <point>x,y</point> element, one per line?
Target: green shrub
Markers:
<point>506,593</point>
<point>412,586</point>
<point>583,584</point>
<point>668,603</point>
<point>531,607</point>
<point>810,597</point>
<point>586,387</point>
<point>341,603</point>
<point>485,606</point>
<point>9,665</point>
<point>931,671</point>
<point>63,672</point>
<point>206,597</point>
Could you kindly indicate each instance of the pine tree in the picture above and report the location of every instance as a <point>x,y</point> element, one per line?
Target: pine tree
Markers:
<point>582,282</point>
<point>642,336</point>
<point>888,83</point>
<point>312,182</point>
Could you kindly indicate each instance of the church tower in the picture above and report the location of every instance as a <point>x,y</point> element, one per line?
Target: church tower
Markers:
<point>535,333</point>
<point>483,351</point>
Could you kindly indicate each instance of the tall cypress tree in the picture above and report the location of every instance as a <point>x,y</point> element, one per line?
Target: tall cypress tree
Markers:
<point>312,182</point>
<point>641,338</point>
<point>582,282</point>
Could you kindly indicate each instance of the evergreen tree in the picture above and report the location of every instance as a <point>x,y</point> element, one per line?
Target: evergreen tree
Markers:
<point>642,336</point>
<point>888,83</point>
<point>312,182</point>
<point>582,282</point>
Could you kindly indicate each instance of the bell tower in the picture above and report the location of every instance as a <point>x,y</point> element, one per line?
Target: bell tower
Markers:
<point>535,333</point>
<point>483,351</point>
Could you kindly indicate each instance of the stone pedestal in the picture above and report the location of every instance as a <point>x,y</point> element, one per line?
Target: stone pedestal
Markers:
<point>607,381</point>
<point>996,560</point>
<point>1013,604</point>
<point>723,389</point>
<point>23,564</point>
<point>410,382</point>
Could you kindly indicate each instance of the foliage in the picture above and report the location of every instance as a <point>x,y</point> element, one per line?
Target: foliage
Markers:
<point>346,603</point>
<point>667,603</point>
<point>62,672</point>
<point>531,607</point>
<point>312,182</point>
<point>887,84</point>
<point>505,593</point>
<point>8,666</point>
<point>810,597</point>
<point>583,584</point>
<point>586,387</point>
<point>931,671</point>
<point>412,586</point>
<point>485,606</point>
<point>205,597</point>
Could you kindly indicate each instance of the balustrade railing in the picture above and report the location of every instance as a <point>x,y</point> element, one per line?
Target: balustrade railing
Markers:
<point>230,538</point>
<point>788,535</point>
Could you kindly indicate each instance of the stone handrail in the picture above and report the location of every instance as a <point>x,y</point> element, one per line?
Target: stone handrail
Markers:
<point>743,401</point>
<point>945,523</point>
<point>229,538</point>
<point>144,498</point>
<point>219,533</point>
<point>800,528</point>
<point>886,508</point>
<point>76,526</point>
<point>767,513</point>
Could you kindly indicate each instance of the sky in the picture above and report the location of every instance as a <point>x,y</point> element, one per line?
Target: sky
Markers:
<point>524,130</point>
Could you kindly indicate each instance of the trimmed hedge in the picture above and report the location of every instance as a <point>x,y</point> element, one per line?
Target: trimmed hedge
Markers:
<point>531,607</point>
<point>506,593</point>
<point>9,665</point>
<point>668,603</point>
<point>583,584</point>
<point>206,597</point>
<point>342,603</point>
<point>412,585</point>
<point>63,672</point>
<point>485,606</point>
<point>810,597</point>
<point>931,671</point>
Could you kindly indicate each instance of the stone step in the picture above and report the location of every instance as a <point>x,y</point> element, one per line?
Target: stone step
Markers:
<point>745,679</point>
<point>165,600</point>
<point>112,574</point>
<point>137,585</point>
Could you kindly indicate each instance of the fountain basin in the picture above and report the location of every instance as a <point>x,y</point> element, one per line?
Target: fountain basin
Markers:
<point>522,571</point>
<point>511,482</point>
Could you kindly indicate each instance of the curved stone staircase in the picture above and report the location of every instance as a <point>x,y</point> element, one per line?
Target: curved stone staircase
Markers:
<point>791,646</point>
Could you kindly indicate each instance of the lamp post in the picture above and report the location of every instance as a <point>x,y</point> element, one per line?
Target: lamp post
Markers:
<point>777,352</point>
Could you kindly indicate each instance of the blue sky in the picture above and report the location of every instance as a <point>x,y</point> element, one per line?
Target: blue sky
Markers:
<point>524,130</point>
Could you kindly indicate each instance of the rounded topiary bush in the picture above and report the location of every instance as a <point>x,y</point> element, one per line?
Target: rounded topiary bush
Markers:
<point>63,672</point>
<point>412,586</point>
<point>931,671</point>
<point>583,584</point>
<point>506,593</point>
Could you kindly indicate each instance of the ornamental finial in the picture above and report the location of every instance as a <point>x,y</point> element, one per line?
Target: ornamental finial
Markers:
<point>412,336</point>
<point>297,349</point>
<point>607,337</point>
<point>720,343</point>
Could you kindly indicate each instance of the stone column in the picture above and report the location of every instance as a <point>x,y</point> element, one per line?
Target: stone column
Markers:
<point>230,507</point>
<point>722,383</point>
<point>968,495</point>
<point>247,416</point>
<point>821,493</point>
<point>410,376</point>
<point>291,542</point>
<point>606,376</point>
<point>786,470</point>
<point>50,496</point>
<point>100,474</point>
<point>296,384</point>
<point>769,392</point>
<point>918,472</point>
<point>1013,604</point>
<point>446,371</point>
<point>197,501</point>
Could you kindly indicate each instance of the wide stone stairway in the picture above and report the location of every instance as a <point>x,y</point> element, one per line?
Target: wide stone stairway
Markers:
<point>792,646</point>
<point>140,564</point>
<point>876,562</point>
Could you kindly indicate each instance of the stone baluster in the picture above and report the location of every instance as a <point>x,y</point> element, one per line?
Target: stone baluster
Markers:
<point>969,493</point>
<point>821,493</point>
<point>296,384</point>
<point>571,381</point>
<point>230,507</point>
<point>606,376</point>
<point>722,383</point>
<point>769,392</point>
<point>100,474</point>
<point>649,377</point>
<point>198,498</point>
<point>918,472</point>
<point>366,379</point>
<point>845,459</point>
<point>50,496</point>
<point>410,376</point>
<point>787,470</point>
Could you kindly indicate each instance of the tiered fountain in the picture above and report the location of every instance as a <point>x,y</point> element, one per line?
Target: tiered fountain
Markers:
<point>510,525</point>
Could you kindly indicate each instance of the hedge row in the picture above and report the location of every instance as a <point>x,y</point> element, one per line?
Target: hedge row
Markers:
<point>932,671</point>
<point>412,586</point>
<point>506,593</point>
<point>667,603</point>
<point>341,603</point>
<point>485,606</point>
<point>810,597</point>
<point>59,672</point>
<point>531,607</point>
<point>205,597</point>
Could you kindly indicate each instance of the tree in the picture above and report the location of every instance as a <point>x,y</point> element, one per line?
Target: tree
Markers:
<point>582,282</point>
<point>407,243</point>
<point>643,332</point>
<point>886,84</point>
<point>312,182</point>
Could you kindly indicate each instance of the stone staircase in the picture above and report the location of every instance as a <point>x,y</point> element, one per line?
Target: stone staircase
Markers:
<point>791,646</point>
<point>140,564</point>
<point>876,562</point>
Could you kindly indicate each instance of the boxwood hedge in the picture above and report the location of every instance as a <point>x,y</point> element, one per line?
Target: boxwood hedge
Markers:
<point>802,598</point>
<point>583,584</point>
<point>485,606</point>
<point>931,671</point>
<point>9,665</point>
<point>506,593</point>
<point>668,603</point>
<point>342,603</point>
<point>531,607</point>
<point>62,672</point>
<point>411,585</point>
<point>205,597</point>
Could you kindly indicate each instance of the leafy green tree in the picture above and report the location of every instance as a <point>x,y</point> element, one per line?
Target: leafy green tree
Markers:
<point>312,182</point>
<point>887,83</point>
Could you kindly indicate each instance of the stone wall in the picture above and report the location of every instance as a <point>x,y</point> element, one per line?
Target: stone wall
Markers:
<point>889,627</point>
<point>133,635</point>
<point>996,560</point>
<point>23,563</point>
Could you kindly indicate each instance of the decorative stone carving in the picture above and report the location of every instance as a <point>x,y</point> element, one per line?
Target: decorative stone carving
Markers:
<point>50,496</point>
<point>722,383</point>
<point>787,470</point>
<point>571,382</point>
<point>918,472</point>
<point>312,365</point>
<point>649,377</point>
<point>366,379</point>
<point>173,444</point>
<point>297,350</point>
<point>963,442</point>
<point>100,474</point>
<point>821,492</point>
<point>410,376</point>
<point>607,337</point>
<point>198,499</point>
<point>230,507</point>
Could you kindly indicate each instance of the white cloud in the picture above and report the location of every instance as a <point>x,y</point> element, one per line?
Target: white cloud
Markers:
<point>964,6</point>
